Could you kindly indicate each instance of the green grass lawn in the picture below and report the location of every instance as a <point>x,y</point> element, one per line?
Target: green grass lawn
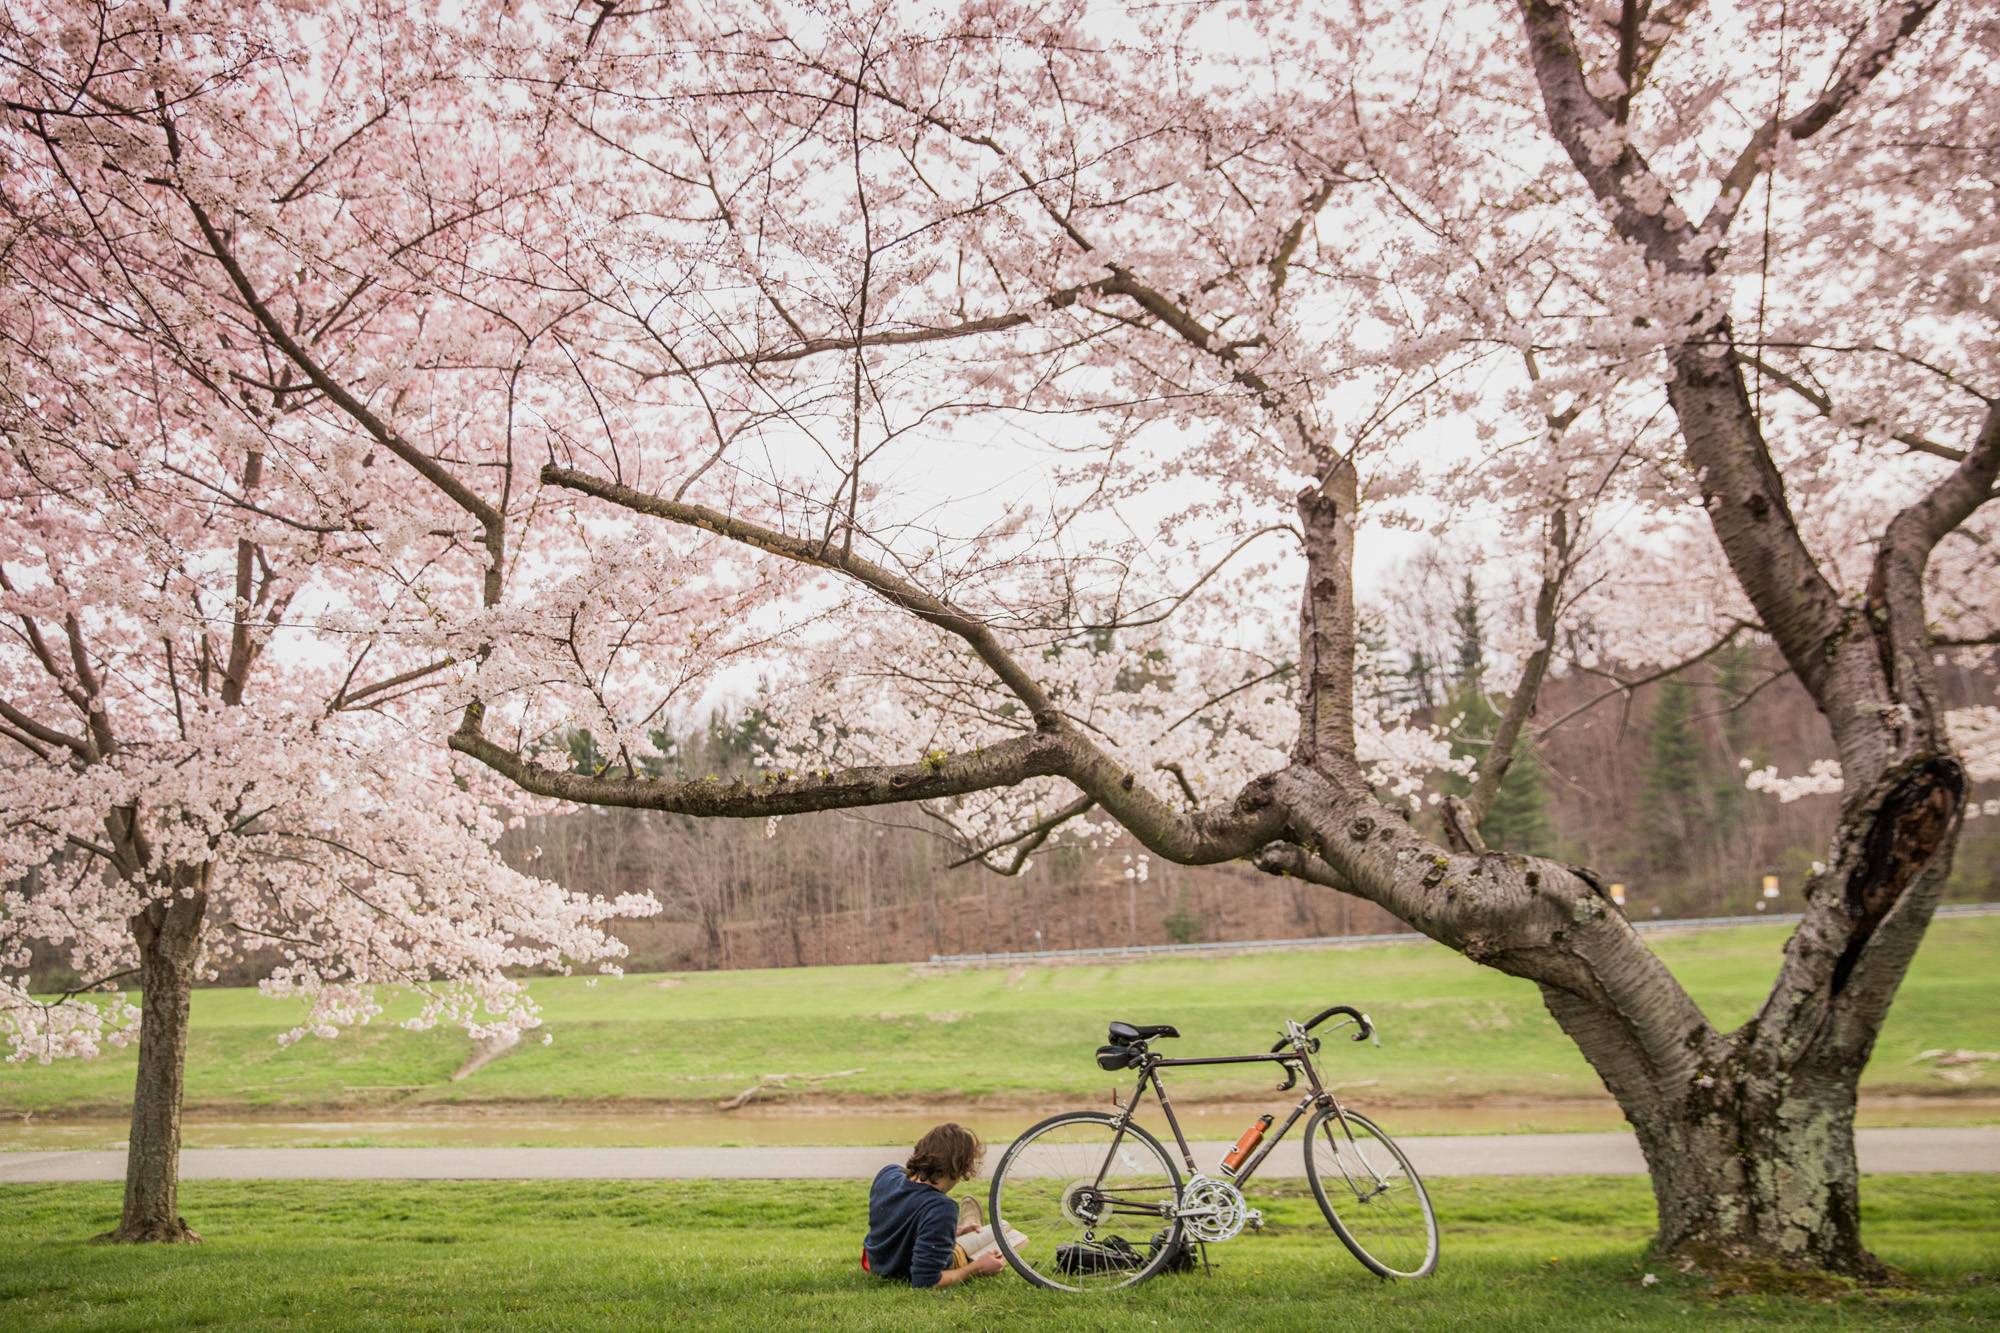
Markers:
<point>1449,1029</point>
<point>1518,1254</point>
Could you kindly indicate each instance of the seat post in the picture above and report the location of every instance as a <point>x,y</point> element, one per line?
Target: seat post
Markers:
<point>1167,1108</point>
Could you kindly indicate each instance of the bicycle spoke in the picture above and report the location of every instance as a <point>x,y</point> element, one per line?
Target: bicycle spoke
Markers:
<point>1375,1203</point>
<point>1075,1195</point>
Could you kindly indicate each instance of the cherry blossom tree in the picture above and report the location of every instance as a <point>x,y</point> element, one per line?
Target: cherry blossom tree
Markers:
<point>213,739</point>
<point>1016,386</point>
<point>188,776</point>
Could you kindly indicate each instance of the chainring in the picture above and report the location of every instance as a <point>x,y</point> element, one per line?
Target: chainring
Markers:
<point>1212,1210</point>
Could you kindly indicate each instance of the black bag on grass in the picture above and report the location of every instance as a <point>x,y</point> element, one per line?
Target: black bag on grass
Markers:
<point>1114,1254</point>
<point>1110,1255</point>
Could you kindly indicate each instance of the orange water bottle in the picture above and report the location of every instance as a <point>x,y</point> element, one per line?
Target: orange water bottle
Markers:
<point>1246,1145</point>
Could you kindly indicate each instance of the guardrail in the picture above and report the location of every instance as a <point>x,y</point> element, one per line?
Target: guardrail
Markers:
<point>1397,937</point>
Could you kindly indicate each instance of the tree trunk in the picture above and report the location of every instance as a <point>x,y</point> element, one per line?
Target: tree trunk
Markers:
<point>1749,1162</point>
<point>168,933</point>
<point>1752,1155</point>
<point>1753,1169</point>
<point>1749,1135</point>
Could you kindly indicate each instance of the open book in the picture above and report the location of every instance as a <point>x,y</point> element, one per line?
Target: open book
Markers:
<point>979,1242</point>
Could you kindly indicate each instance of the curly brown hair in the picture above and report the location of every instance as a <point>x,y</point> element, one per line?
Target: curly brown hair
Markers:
<point>949,1152</point>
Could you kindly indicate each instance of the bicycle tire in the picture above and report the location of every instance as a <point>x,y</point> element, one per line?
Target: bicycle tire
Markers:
<point>1398,1264</point>
<point>1016,1158</point>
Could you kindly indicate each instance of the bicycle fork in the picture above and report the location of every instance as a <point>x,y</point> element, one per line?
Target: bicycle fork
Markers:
<point>1360,1154</point>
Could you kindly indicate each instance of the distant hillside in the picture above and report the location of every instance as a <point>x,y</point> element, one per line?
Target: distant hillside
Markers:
<point>1646,786</point>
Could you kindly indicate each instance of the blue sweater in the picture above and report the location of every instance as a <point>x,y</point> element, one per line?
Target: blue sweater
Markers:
<point>912,1228</point>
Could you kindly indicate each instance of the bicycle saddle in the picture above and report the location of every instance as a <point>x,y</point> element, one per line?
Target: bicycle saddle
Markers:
<point>1124,1034</point>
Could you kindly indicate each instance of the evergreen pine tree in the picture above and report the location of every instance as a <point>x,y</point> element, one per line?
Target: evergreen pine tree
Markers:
<point>584,754</point>
<point>1518,819</point>
<point>1674,808</point>
<point>1471,640</point>
<point>1734,667</point>
<point>1421,678</point>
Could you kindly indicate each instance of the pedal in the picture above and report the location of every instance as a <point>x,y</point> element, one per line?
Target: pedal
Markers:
<point>1253,1220</point>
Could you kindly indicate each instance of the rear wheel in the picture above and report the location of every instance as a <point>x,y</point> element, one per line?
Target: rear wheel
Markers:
<point>1371,1195</point>
<point>1094,1204</point>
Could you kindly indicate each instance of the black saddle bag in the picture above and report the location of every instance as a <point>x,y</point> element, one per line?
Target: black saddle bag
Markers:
<point>1116,1057</point>
<point>1180,1260</point>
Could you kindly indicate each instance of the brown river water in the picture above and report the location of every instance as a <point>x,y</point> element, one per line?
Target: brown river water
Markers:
<point>783,1124</point>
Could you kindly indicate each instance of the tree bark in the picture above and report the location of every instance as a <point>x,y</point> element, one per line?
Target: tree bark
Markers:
<point>1326,618</point>
<point>168,933</point>
<point>1753,1167</point>
<point>1752,1152</point>
<point>1749,1135</point>
<point>1755,1160</point>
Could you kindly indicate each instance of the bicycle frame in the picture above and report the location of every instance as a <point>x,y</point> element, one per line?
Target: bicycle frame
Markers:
<point>1293,1061</point>
<point>1137,1182</point>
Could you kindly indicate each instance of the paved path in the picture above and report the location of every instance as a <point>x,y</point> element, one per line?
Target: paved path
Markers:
<point>1882,1150</point>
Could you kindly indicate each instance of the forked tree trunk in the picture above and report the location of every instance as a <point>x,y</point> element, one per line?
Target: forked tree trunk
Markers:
<point>1748,1162</point>
<point>1752,1152</point>
<point>168,933</point>
<point>1748,1135</point>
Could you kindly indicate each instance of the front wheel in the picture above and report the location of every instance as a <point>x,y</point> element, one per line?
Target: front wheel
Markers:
<point>1370,1193</point>
<point>1094,1205</point>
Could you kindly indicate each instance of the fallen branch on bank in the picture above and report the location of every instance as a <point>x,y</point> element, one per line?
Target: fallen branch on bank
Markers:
<point>771,1082</point>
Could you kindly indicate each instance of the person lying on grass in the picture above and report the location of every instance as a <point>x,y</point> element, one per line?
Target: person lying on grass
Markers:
<point>913,1225</point>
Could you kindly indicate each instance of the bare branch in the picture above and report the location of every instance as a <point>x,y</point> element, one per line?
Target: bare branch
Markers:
<point>1628,686</point>
<point>1953,500</point>
<point>896,589</point>
<point>38,643</point>
<point>1027,840</point>
<point>781,793</point>
<point>1463,816</point>
<point>1896,585</point>
<point>1824,405</point>
<point>1180,776</point>
<point>347,698</point>
<point>87,986</point>
<point>46,735</point>
<point>1282,669</point>
<point>25,742</point>
<point>810,347</point>
<point>1285,859</point>
<point>1751,162</point>
<point>1288,244</point>
<point>1174,604</point>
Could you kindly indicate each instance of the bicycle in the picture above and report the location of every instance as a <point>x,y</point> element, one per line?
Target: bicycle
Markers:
<point>1066,1182</point>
